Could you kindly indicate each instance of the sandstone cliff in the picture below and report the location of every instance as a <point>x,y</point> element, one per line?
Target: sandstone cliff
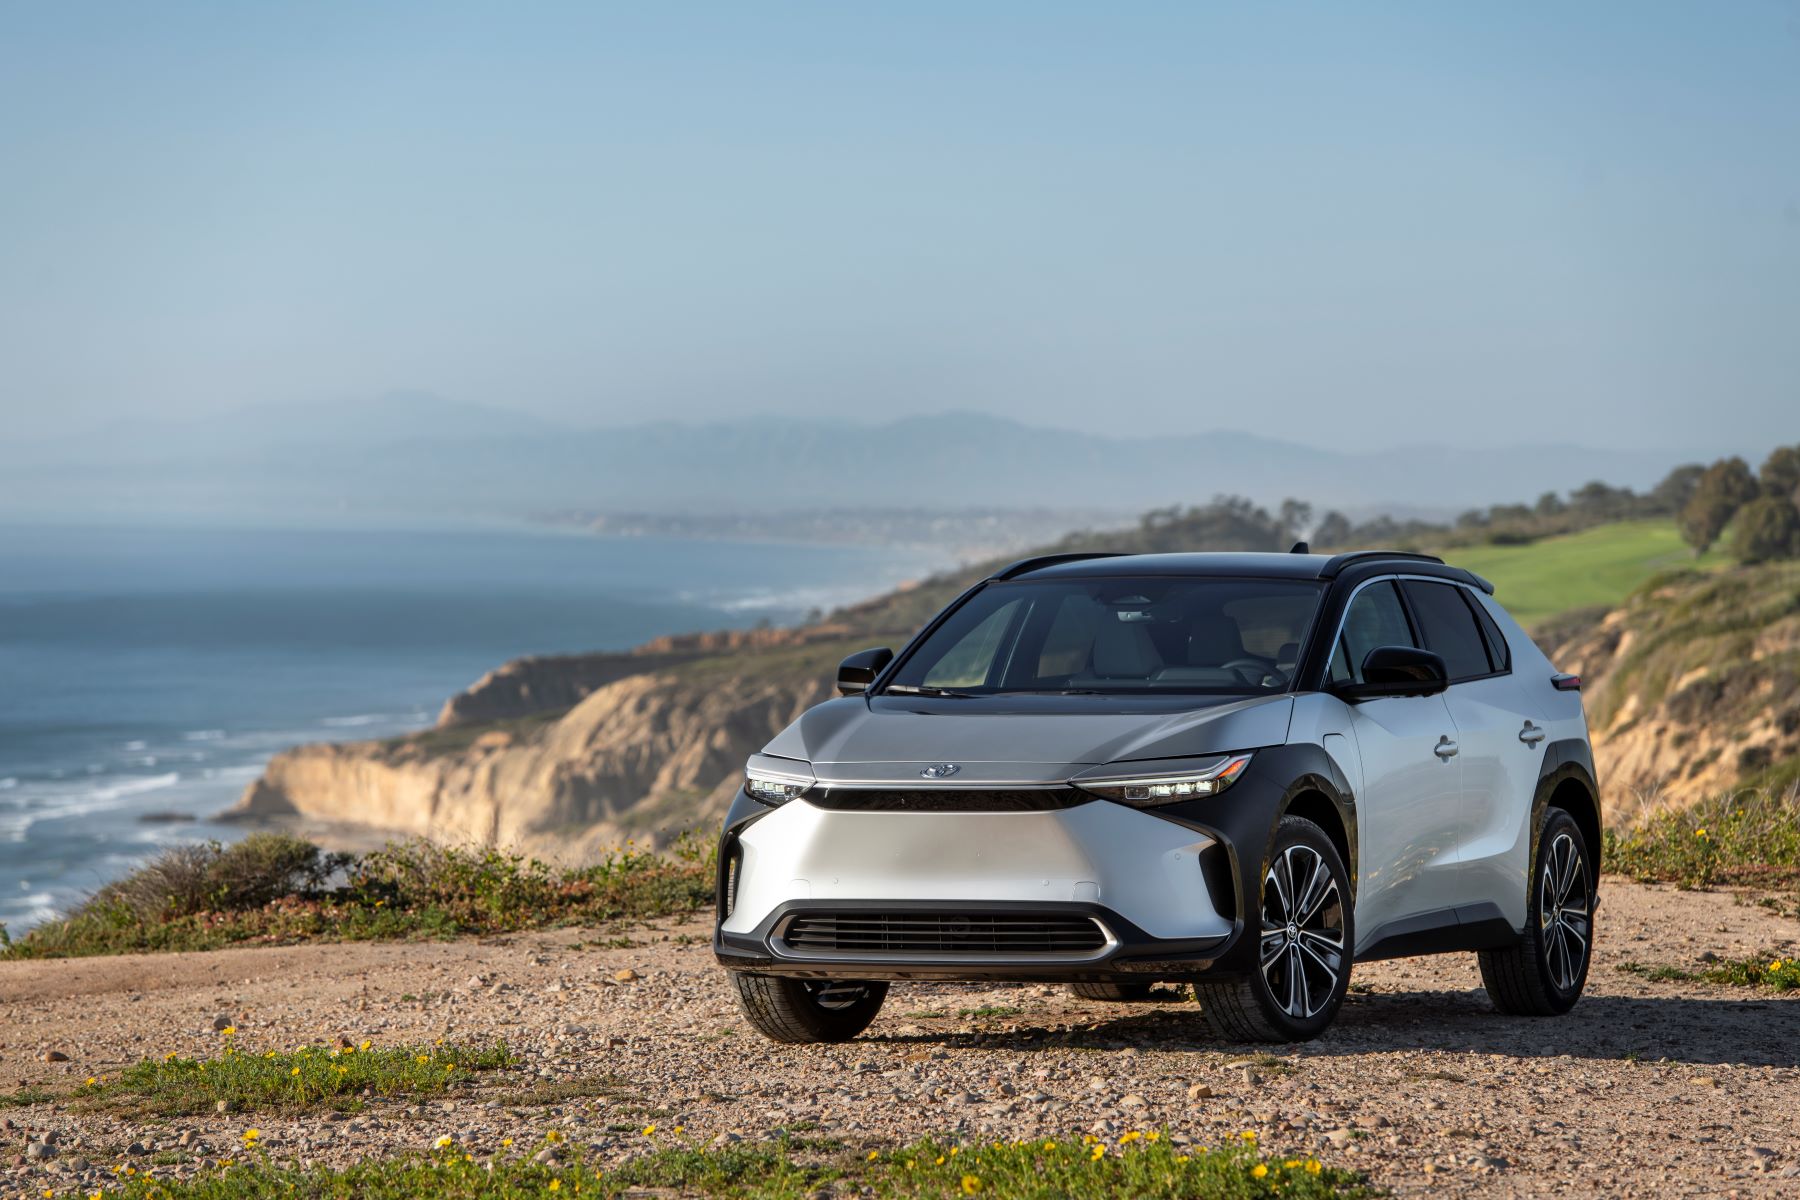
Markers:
<point>1692,685</point>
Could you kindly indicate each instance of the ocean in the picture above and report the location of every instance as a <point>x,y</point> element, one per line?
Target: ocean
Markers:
<point>151,672</point>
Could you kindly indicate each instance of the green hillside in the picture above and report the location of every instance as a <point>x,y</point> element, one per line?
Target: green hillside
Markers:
<point>1597,567</point>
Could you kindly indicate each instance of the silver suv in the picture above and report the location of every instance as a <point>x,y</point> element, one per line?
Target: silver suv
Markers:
<point>1243,771</point>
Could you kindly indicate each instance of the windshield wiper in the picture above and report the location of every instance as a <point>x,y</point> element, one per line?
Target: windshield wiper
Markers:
<point>908,689</point>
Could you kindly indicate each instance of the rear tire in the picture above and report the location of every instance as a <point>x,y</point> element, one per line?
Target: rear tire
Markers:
<point>1304,942</point>
<point>1117,993</point>
<point>1544,974</point>
<point>808,1010</point>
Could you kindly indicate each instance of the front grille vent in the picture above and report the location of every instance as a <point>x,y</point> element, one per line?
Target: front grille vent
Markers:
<point>976,935</point>
<point>849,799</point>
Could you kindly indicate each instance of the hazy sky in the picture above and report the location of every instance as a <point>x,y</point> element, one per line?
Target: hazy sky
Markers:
<point>1340,223</point>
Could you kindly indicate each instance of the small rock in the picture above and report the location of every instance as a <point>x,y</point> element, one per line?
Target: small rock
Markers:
<point>548,1157</point>
<point>1133,1101</point>
<point>626,976</point>
<point>1706,1081</point>
<point>78,1164</point>
<point>137,1149</point>
<point>40,1152</point>
<point>1199,1091</point>
<point>1761,1156</point>
<point>224,1106</point>
<point>727,1138</point>
<point>1340,1136</point>
<point>186,1139</point>
<point>55,1056</point>
<point>221,1023</point>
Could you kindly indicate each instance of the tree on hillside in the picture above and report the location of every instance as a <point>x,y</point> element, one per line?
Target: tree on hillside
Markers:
<point>1550,505</point>
<point>1333,529</point>
<point>1767,528</point>
<point>1296,517</point>
<point>1677,488</point>
<point>1781,474</point>
<point>1724,487</point>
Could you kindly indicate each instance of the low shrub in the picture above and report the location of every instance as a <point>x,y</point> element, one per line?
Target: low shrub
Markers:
<point>1751,837</point>
<point>273,890</point>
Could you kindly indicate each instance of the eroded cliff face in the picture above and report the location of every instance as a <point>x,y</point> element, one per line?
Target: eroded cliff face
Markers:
<point>642,757</point>
<point>1692,686</point>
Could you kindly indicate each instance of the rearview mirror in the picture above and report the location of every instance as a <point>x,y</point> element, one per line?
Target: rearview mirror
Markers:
<point>857,672</point>
<point>1397,671</point>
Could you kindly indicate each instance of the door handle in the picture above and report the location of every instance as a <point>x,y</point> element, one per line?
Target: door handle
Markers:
<point>1445,749</point>
<point>1531,735</point>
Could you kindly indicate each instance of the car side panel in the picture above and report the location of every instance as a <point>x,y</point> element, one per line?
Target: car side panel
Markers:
<point>1500,775</point>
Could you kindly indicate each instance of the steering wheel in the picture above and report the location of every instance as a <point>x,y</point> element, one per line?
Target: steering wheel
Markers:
<point>1259,668</point>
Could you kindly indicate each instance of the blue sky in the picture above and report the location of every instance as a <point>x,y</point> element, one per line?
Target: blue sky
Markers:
<point>1347,224</point>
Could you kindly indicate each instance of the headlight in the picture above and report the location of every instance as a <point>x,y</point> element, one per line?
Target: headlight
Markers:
<point>776,780</point>
<point>1208,777</point>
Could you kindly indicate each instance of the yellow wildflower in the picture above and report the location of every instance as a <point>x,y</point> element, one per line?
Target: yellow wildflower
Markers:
<point>91,1081</point>
<point>1099,1152</point>
<point>295,1071</point>
<point>506,1141</point>
<point>556,1135</point>
<point>1132,1136</point>
<point>971,1184</point>
<point>365,1045</point>
<point>650,1129</point>
<point>1258,1171</point>
<point>873,1155</point>
<point>1313,1166</point>
<point>228,1031</point>
<point>444,1141</point>
<point>555,1185</point>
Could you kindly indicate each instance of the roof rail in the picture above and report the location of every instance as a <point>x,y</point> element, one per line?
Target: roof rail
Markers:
<point>1050,560</point>
<point>1338,562</point>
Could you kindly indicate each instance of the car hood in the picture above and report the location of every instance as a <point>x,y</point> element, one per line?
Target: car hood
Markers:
<point>855,740</point>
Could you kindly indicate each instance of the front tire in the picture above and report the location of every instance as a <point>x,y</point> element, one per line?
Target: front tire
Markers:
<point>1544,974</point>
<point>1304,946</point>
<point>808,1010</point>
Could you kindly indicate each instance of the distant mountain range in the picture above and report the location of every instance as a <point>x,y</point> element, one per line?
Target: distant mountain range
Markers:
<point>414,455</point>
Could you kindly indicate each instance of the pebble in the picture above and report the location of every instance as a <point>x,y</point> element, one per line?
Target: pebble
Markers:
<point>55,1056</point>
<point>221,1023</point>
<point>1199,1091</point>
<point>40,1151</point>
<point>626,976</point>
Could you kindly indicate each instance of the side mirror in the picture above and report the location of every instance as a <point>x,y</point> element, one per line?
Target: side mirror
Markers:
<point>857,672</point>
<point>1397,671</point>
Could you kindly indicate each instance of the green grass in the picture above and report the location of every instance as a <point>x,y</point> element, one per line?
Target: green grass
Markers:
<point>990,1010</point>
<point>1775,971</point>
<point>1141,1165</point>
<point>1750,838</point>
<point>1597,567</point>
<point>272,890</point>
<point>284,1080</point>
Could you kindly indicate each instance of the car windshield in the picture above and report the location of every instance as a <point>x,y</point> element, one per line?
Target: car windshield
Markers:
<point>1224,636</point>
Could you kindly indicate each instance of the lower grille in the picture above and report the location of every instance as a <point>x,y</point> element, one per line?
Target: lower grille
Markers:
<point>973,935</point>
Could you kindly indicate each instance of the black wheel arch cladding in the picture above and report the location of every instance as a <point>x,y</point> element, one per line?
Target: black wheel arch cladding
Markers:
<point>1299,778</point>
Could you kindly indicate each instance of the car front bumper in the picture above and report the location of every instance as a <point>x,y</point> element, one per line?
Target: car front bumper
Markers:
<point>1156,897</point>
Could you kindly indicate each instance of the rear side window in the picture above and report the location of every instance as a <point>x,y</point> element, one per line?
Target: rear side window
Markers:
<point>1499,653</point>
<point>1449,628</point>
<point>1376,618</point>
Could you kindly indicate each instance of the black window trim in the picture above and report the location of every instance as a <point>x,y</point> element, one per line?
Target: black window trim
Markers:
<point>1412,620</point>
<point>1419,628</point>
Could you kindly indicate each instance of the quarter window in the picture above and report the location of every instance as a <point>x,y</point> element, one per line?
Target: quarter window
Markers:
<point>1449,628</point>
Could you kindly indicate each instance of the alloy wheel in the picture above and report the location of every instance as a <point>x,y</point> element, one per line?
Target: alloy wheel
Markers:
<point>1303,956</point>
<point>1564,912</point>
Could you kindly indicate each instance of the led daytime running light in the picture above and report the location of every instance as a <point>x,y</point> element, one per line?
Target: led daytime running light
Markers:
<point>1171,787</point>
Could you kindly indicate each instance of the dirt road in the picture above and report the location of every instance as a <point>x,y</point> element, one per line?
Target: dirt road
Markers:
<point>1647,1088</point>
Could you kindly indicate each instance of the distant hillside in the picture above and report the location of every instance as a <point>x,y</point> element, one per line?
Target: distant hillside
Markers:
<point>414,454</point>
<point>567,754</point>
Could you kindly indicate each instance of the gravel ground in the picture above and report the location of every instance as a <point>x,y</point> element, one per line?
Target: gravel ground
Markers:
<point>1647,1088</point>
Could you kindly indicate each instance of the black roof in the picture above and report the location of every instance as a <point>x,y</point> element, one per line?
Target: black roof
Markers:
<point>1106,565</point>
